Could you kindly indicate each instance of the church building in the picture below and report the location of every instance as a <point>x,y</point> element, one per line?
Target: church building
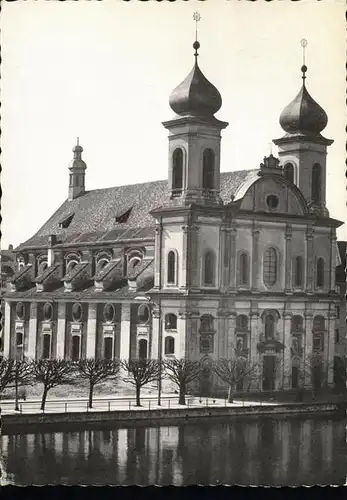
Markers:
<point>205,264</point>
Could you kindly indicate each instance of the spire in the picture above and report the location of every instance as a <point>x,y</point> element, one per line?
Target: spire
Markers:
<point>77,169</point>
<point>303,115</point>
<point>196,96</point>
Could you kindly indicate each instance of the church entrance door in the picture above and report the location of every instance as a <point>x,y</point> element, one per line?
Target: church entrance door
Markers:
<point>269,375</point>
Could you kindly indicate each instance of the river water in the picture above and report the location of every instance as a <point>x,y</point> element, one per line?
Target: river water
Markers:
<point>260,451</point>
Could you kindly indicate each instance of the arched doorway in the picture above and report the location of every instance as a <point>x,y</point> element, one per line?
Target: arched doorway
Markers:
<point>143,349</point>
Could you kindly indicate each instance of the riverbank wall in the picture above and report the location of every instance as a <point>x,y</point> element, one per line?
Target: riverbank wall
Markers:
<point>31,422</point>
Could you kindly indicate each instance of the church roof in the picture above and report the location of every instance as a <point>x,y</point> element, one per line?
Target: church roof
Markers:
<point>116,213</point>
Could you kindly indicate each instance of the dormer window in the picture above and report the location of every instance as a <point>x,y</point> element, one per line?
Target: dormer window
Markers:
<point>123,217</point>
<point>71,265</point>
<point>66,222</point>
<point>42,267</point>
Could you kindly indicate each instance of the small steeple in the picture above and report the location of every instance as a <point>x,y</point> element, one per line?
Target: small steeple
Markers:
<point>77,168</point>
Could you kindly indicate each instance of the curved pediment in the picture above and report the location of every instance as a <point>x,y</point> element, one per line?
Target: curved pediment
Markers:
<point>272,194</point>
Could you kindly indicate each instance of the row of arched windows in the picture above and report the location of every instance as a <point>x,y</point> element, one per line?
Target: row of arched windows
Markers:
<point>208,165</point>
<point>209,268</point>
<point>316,179</point>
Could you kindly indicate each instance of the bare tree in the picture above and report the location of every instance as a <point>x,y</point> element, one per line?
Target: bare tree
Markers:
<point>181,372</point>
<point>51,373</point>
<point>142,372</point>
<point>22,374</point>
<point>232,371</point>
<point>6,373</point>
<point>316,369</point>
<point>96,371</point>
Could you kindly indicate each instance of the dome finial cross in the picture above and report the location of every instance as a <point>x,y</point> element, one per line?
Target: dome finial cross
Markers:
<point>196,44</point>
<point>303,67</point>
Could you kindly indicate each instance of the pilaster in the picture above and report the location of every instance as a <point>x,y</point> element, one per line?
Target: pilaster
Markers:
<point>288,259</point>
<point>32,331</point>
<point>230,335</point>
<point>7,330</point>
<point>330,346</point>
<point>332,260</point>
<point>61,330</point>
<point>194,274</point>
<point>125,332</point>
<point>255,258</point>
<point>287,356</point>
<point>309,259</point>
<point>91,331</point>
<point>158,256</point>
<point>308,346</point>
<point>232,258</point>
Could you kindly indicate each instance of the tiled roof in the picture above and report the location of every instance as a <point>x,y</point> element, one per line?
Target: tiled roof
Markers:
<point>95,212</point>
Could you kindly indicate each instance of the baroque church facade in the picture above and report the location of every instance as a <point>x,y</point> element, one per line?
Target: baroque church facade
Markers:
<point>204,265</point>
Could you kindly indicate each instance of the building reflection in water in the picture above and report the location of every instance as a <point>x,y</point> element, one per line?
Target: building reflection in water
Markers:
<point>252,451</point>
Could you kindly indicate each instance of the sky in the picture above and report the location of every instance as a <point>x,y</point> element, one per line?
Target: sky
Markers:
<point>104,71</point>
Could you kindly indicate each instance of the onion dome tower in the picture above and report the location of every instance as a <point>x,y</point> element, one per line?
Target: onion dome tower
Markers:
<point>77,169</point>
<point>194,138</point>
<point>302,150</point>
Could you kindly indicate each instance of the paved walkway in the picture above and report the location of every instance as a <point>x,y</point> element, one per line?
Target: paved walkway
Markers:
<point>120,403</point>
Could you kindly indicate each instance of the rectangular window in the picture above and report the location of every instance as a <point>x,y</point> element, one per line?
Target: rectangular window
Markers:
<point>206,344</point>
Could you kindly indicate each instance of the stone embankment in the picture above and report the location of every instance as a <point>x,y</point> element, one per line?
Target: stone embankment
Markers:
<point>32,422</point>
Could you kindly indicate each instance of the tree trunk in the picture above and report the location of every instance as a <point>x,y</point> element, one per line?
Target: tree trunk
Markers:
<point>44,397</point>
<point>91,389</point>
<point>138,389</point>
<point>230,395</point>
<point>182,399</point>
<point>16,397</point>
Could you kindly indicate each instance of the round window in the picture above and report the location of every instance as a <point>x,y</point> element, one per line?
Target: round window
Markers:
<point>47,311</point>
<point>272,201</point>
<point>109,312</point>
<point>143,313</point>
<point>77,312</point>
<point>20,310</point>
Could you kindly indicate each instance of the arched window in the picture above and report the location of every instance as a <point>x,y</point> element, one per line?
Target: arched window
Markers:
<point>296,324</point>
<point>320,272</point>
<point>244,268</point>
<point>208,169</point>
<point>46,348</point>
<point>143,349</point>
<point>298,271</point>
<point>209,268</point>
<point>76,344</point>
<point>169,345</point>
<point>242,323</point>
<point>270,267</point>
<point>288,172</point>
<point>143,313</point>
<point>20,310</point>
<point>270,322</point>
<point>171,267</point>
<point>177,171</point>
<point>316,185</point>
<point>47,311</point>
<point>171,322</point>
<point>109,312</point>
<point>77,312</point>
<point>108,348</point>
